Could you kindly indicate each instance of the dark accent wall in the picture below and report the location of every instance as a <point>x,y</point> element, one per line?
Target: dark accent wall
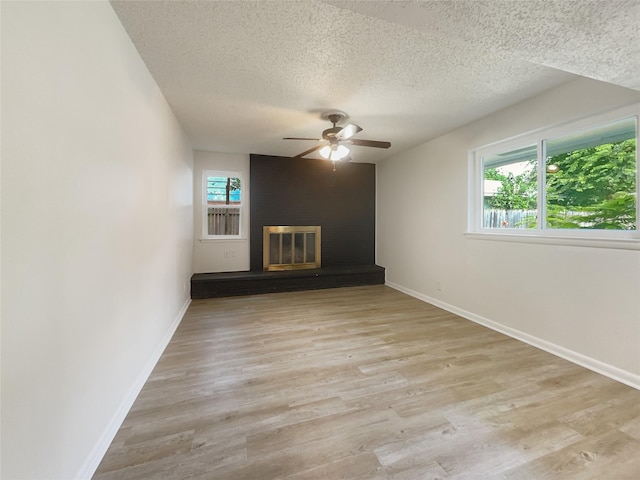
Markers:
<point>298,191</point>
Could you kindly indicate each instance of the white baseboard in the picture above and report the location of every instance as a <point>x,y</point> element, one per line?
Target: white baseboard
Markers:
<point>602,368</point>
<point>95,457</point>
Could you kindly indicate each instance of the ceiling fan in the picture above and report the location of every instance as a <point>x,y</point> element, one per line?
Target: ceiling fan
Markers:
<point>333,141</point>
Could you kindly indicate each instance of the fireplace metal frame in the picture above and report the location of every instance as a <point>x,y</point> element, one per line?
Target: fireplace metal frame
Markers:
<point>267,231</point>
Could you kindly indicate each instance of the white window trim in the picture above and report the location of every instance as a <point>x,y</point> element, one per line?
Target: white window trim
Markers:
<point>205,228</point>
<point>618,239</point>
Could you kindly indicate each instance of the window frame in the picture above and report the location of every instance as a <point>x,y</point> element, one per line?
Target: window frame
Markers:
<point>626,239</point>
<point>205,207</point>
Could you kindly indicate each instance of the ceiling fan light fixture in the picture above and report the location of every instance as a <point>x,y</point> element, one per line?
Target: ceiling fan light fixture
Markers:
<point>325,151</point>
<point>334,152</point>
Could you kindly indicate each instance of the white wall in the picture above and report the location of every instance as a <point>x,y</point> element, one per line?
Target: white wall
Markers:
<point>582,303</point>
<point>219,255</point>
<point>96,233</point>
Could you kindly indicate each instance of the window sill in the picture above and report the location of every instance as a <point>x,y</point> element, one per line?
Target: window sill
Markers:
<point>222,240</point>
<point>593,242</point>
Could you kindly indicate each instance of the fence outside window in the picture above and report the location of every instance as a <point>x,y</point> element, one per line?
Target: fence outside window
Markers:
<point>496,218</point>
<point>223,220</point>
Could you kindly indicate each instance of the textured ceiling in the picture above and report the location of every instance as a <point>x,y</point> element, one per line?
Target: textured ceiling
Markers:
<point>241,75</point>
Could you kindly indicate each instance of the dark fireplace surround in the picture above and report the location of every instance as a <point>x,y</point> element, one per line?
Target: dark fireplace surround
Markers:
<point>301,192</point>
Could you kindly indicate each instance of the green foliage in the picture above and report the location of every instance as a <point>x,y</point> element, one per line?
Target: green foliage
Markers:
<point>234,183</point>
<point>593,188</point>
<point>518,192</point>
<point>493,174</point>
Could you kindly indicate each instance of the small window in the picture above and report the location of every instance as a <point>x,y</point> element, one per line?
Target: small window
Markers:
<point>222,204</point>
<point>569,180</point>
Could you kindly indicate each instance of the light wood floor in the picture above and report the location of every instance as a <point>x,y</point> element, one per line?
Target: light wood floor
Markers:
<point>367,383</point>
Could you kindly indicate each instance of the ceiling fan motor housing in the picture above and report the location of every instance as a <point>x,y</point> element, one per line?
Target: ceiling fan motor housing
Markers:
<point>330,133</point>
<point>333,117</point>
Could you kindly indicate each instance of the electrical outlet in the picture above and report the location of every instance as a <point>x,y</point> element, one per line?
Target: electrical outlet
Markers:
<point>438,286</point>
<point>229,254</point>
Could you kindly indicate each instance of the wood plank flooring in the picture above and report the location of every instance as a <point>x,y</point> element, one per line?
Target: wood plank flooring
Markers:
<point>367,383</point>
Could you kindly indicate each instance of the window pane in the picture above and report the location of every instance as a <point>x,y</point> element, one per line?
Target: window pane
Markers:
<point>591,178</point>
<point>223,190</point>
<point>223,220</point>
<point>510,189</point>
<point>223,205</point>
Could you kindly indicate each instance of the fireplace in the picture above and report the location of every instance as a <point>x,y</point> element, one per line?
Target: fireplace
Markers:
<point>291,247</point>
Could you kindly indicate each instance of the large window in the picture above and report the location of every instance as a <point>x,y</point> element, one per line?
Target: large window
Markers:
<point>572,180</point>
<point>222,204</point>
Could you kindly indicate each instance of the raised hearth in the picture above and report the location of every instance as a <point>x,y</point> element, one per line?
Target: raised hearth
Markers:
<point>214,285</point>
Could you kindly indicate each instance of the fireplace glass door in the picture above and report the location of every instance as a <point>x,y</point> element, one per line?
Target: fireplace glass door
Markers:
<point>291,247</point>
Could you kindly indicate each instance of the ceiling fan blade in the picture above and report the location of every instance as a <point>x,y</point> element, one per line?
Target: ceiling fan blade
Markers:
<point>301,138</point>
<point>370,143</point>
<point>348,131</point>
<point>307,152</point>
